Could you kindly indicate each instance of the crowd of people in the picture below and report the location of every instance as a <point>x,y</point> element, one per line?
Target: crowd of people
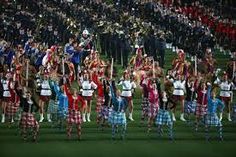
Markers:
<point>48,46</point>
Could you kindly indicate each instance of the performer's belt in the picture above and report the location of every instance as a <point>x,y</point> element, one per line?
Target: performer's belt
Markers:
<point>179,89</point>
<point>87,89</point>
<point>46,89</point>
<point>225,90</point>
<point>126,89</point>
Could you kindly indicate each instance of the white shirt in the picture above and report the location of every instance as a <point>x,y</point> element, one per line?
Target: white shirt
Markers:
<point>88,87</point>
<point>225,89</point>
<point>6,90</point>
<point>127,87</point>
<point>179,87</point>
<point>46,90</point>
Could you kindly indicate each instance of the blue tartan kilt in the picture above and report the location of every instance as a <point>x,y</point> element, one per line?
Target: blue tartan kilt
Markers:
<point>234,113</point>
<point>52,107</point>
<point>164,118</point>
<point>212,120</point>
<point>62,113</point>
<point>105,112</point>
<point>190,107</point>
<point>117,118</point>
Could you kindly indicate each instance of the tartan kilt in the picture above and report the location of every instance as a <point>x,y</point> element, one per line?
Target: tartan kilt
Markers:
<point>62,113</point>
<point>104,113</point>
<point>201,110</point>
<point>234,113</point>
<point>28,121</point>
<point>12,109</point>
<point>212,120</point>
<point>164,118</point>
<point>117,118</point>
<point>144,106</point>
<point>190,106</point>
<point>152,110</point>
<point>74,117</point>
<point>53,106</point>
<point>100,102</point>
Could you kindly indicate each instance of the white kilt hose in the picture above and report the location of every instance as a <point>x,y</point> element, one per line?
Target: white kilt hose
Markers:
<point>144,106</point>
<point>152,110</point>
<point>12,109</point>
<point>28,121</point>
<point>164,118</point>
<point>100,102</point>
<point>74,117</point>
<point>117,118</point>
<point>105,112</point>
<point>212,120</point>
<point>190,106</point>
<point>201,110</point>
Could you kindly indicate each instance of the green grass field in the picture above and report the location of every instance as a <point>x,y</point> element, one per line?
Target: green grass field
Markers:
<point>137,143</point>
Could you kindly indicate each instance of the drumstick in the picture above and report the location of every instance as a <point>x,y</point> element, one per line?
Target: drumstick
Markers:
<point>153,69</point>
<point>111,67</point>
<point>63,66</point>
<point>27,72</point>
<point>233,70</point>
<point>195,70</point>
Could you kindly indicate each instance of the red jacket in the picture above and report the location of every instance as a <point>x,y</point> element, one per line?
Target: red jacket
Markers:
<point>74,103</point>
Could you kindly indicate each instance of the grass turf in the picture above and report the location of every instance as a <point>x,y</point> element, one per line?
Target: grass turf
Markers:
<point>137,143</point>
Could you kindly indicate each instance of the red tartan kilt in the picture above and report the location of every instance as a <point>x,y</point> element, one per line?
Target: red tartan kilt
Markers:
<point>28,121</point>
<point>225,99</point>
<point>74,117</point>
<point>100,102</point>
<point>44,98</point>
<point>201,110</point>
<point>12,109</point>
<point>178,97</point>
<point>128,98</point>
<point>88,98</point>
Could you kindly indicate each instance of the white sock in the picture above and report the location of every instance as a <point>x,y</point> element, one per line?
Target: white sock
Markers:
<point>221,116</point>
<point>3,118</point>
<point>173,117</point>
<point>88,117</point>
<point>84,119</point>
<point>49,117</point>
<point>12,120</point>
<point>131,116</point>
<point>229,117</point>
<point>41,117</point>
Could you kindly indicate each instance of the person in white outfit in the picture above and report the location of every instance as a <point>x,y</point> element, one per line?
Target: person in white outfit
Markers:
<point>178,95</point>
<point>127,87</point>
<point>225,93</point>
<point>6,83</point>
<point>88,87</point>
<point>45,94</point>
